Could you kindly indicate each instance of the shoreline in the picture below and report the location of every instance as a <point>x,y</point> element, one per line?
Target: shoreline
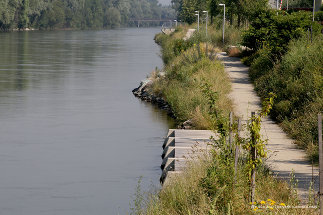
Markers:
<point>144,94</point>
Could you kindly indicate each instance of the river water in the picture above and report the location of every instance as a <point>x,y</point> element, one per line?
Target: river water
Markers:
<point>73,138</point>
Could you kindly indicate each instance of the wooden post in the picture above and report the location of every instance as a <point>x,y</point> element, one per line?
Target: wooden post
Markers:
<point>321,162</point>
<point>230,131</point>
<point>253,171</point>
<point>206,50</point>
<point>237,153</point>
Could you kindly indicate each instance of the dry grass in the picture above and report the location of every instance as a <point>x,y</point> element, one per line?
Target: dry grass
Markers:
<point>181,87</point>
<point>185,193</point>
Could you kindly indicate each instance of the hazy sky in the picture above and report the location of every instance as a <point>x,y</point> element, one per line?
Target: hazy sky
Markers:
<point>164,2</point>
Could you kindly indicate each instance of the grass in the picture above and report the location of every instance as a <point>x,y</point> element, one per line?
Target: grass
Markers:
<point>182,86</point>
<point>207,185</point>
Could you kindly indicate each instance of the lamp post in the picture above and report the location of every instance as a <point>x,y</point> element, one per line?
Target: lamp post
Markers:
<point>313,9</point>
<point>175,22</point>
<point>223,21</point>
<point>206,20</point>
<point>198,20</point>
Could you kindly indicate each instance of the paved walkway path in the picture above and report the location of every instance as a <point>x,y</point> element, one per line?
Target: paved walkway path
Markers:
<point>283,156</point>
<point>189,33</point>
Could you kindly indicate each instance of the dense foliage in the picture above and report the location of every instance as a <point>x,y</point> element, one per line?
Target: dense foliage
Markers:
<point>288,62</point>
<point>267,29</point>
<point>52,14</point>
<point>238,11</point>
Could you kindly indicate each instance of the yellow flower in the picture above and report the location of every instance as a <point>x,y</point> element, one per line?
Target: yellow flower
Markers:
<point>282,204</point>
<point>262,202</point>
<point>272,203</point>
<point>269,200</point>
<point>271,208</point>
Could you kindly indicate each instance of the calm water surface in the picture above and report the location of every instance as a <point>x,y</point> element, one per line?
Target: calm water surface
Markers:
<point>73,138</point>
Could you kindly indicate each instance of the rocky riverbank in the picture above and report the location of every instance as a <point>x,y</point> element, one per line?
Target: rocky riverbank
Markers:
<point>145,94</point>
<point>142,92</point>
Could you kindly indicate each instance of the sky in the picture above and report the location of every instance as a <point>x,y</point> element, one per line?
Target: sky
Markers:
<point>165,2</point>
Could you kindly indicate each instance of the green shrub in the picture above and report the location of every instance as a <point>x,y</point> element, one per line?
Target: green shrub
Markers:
<point>319,16</point>
<point>297,80</point>
<point>180,46</point>
<point>274,31</point>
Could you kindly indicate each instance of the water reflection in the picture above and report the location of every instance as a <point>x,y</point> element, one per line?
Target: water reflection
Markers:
<point>73,138</point>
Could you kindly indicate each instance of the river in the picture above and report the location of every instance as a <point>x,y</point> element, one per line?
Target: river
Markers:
<point>73,138</point>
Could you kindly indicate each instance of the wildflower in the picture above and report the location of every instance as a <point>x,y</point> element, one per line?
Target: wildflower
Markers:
<point>269,200</point>
<point>271,208</point>
<point>282,204</point>
<point>262,202</point>
<point>272,203</point>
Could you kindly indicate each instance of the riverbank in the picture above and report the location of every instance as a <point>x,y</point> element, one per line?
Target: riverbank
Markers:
<point>196,87</point>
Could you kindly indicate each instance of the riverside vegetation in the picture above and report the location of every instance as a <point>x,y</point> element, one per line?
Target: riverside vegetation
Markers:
<point>196,88</point>
<point>283,62</point>
<point>287,60</point>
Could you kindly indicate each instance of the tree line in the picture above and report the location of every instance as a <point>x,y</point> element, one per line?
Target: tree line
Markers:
<point>80,14</point>
<point>238,11</point>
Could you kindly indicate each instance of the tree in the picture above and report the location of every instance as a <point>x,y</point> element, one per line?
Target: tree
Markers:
<point>213,7</point>
<point>112,18</point>
<point>187,11</point>
<point>23,19</point>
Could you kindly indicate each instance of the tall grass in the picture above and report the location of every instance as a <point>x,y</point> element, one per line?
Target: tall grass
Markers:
<point>208,186</point>
<point>297,80</point>
<point>181,87</point>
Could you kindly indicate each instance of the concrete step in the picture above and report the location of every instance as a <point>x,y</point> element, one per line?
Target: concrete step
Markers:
<point>181,146</point>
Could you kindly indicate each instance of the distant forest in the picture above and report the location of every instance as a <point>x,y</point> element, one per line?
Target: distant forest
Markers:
<point>78,14</point>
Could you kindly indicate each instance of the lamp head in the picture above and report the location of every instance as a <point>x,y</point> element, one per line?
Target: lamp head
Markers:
<point>221,4</point>
<point>204,11</point>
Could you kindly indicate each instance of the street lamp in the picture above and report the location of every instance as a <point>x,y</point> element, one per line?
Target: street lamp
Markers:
<point>223,22</point>
<point>175,22</point>
<point>313,9</point>
<point>206,20</point>
<point>198,20</point>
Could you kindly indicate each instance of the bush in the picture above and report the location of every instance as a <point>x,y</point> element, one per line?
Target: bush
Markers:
<point>319,16</point>
<point>274,31</point>
<point>297,80</point>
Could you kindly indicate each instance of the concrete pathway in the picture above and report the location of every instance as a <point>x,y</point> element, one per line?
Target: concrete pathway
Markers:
<point>283,155</point>
<point>189,33</point>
